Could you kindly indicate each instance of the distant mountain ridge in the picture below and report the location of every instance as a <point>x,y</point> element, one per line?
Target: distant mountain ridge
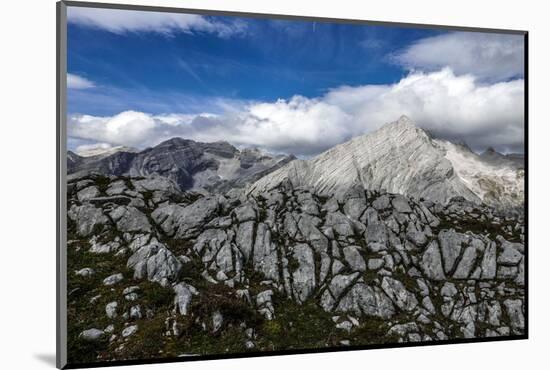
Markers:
<point>192,165</point>
<point>402,158</point>
<point>399,158</point>
<point>104,152</point>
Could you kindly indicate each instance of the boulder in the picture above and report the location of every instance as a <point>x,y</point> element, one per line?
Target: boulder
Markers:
<point>354,258</point>
<point>401,204</point>
<point>217,321</point>
<point>111,309</point>
<point>85,272</point>
<point>431,263</point>
<point>186,222</point>
<point>303,277</point>
<point>155,262</point>
<point>466,263</point>
<point>184,296</point>
<point>400,296</point>
<point>87,218</point>
<point>130,219</point>
<point>246,212</point>
<point>113,279</point>
<point>489,261</point>
<point>382,202</point>
<point>92,335</point>
<point>510,253</point>
<point>451,245</point>
<point>265,304</point>
<point>129,330</point>
<point>245,238</point>
<point>88,193</point>
<point>265,259</point>
<point>376,237</point>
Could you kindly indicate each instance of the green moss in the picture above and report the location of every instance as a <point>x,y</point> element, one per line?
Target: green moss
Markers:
<point>220,298</point>
<point>102,183</point>
<point>147,196</point>
<point>293,264</point>
<point>148,342</point>
<point>372,331</point>
<point>129,184</point>
<point>81,351</point>
<point>231,340</point>
<point>273,328</point>
<point>409,282</point>
<point>154,296</point>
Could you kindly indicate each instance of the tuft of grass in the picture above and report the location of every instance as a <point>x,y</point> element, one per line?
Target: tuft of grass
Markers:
<point>102,183</point>
<point>220,298</point>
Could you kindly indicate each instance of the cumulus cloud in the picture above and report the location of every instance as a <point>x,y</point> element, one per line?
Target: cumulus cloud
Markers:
<point>78,82</point>
<point>486,55</point>
<point>125,21</point>
<point>454,107</point>
<point>449,106</point>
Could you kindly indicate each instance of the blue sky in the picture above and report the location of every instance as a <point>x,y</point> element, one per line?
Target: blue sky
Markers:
<point>251,79</point>
<point>271,60</point>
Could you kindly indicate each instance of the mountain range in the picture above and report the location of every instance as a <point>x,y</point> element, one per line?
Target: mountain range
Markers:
<point>402,158</point>
<point>398,158</point>
<point>217,166</point>
<point>391,237</point>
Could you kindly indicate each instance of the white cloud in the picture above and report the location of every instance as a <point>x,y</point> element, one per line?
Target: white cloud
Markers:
<point>124,21</point>
<point>486,55</point>
<point>78,82</point>
<point>450,106</point>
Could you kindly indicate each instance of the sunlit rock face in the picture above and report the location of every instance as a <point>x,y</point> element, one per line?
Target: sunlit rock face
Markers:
<point>403,159</point>
<point>367,266</point>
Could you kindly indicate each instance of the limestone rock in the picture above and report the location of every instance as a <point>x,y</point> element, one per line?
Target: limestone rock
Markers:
<point>376,236</point>
<point>431,262</point>
<point>451,245</point>
<point>129,330</point>
<point>265,257</point>
<point>354,258</point>
<point>400,204</point>
<point>88,193</point>
<point>185,222</point>
<point>304,276</point>
<point>113,279</point>
<point>400,296</point>
<point>246,212</point>
<point>130,219</point>
<point>489,262</point>
<point>155,262</point>
<point>85,272</point>
<point>184,295</point>
<point>265,304</point>
<point>217,321</point>
<point>110,310</point>
<point>92,335</point>
<point>88,218</point>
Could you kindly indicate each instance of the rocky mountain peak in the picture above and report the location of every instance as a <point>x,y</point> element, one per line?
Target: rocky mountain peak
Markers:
<point>404,125</point>
<point>402,158</point>
<point>192,165</point>
<point>177,141</point>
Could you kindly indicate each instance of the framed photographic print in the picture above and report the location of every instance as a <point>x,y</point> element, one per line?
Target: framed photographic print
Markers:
<point>235,184</point>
